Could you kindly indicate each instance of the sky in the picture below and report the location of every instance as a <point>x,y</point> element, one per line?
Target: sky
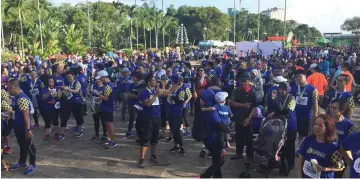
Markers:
<point>325,15</point>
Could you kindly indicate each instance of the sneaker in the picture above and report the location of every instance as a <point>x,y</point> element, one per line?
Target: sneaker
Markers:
<point>94,138</point>
<point>223,152</point>
<point>202,154</point>
<point>79,134</point>
<point>209,155</point>
<point>61,137</point>
<point>111,145</point>
<point>17,166</point>
<point>104,138</point>
<point>162,138</point>
<point>30,170</point>
<point>169,139</point>
<point>141,163</point>
<point>236,157</point>
<point>175,149</point>
<point>187,134</point>
<point>57,135</point>
<point>7,150</point>
<point>36,126</point>
<point>128,134</point>
<point>85,113</point>
<point>154,159</point>
<point>47,137</point>
<point>75,130</point>
<point>182,151</point>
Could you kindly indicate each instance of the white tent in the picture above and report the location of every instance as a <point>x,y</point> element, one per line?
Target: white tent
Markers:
<point>229,43</point>
<point>267,48</point>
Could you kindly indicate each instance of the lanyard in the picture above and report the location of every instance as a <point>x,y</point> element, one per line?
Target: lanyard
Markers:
<point>302,93</point>
<point>336,93</point>
<point>72,84</point>
<point>282,105</point>
<point>33,84</point>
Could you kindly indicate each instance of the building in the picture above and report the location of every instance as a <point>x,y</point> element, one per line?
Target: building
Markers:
<point>231,12</point>
<point>275,13</point>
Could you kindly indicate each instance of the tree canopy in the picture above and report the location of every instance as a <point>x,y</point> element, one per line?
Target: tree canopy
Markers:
<point>351,24</point>
<point>110,26</point>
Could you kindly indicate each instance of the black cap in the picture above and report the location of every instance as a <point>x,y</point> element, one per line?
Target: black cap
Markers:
<point>300,72</point>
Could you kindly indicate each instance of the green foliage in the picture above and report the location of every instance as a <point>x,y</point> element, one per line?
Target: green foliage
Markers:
<point>73,40</point>
<point>352,24</point>
<point>128,52</point>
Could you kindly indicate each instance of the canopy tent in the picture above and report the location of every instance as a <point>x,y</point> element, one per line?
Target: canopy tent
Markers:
<point>323,41</point>
<point>229,43</point>
<point>211,43</point>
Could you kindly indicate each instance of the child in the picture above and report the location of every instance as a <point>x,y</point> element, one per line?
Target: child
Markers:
<point>224,113</point>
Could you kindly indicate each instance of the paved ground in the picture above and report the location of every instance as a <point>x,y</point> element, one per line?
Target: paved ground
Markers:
<point>82,158</point>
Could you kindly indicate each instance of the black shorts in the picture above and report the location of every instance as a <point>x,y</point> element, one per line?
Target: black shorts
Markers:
<point>149,127</point>
<point>7,128</point>
<point>107,116</point>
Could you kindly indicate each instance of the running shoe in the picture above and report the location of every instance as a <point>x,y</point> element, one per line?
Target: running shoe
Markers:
<point>47,137</point>
<point>61,137</point>
<point>202,153</point>
<point>182,151</point>
<point>209,155</point>
<point>175,149</point>
<point>187,134</point>
<point>169,139</point>
<point>162,138</point>
<point>141,163</point>
<point>94,138</point>
<point>57,135</point>
<point>128,134</point>
<point>17,166</point>
<point>7,150</point>
<point>30,170</point>
<point>104,138</point>
<point>75,130</point>
<point>111,145</point>
<point>36,126</point>
<point>79,134</point>
<point>154,159</point>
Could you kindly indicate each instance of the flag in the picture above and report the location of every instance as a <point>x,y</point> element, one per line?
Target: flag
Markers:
<point>288,41</point>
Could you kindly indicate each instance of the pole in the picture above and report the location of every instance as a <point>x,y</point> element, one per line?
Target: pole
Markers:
<point>131,33</point>
<point>89,26</point>
<point>156,30</point>
<point>163,23</point>
<point>258,35</point>
<point>285,21</point>
<point>137,29</point>
<point>40,29</point>
<point>150,37</point>
<point>234,31</point>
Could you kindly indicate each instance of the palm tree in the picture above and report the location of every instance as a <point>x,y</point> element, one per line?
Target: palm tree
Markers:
<point>169,22</point>
<point>19,5</point>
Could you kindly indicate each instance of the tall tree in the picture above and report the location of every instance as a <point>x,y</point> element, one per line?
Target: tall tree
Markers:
<point>352,24</point>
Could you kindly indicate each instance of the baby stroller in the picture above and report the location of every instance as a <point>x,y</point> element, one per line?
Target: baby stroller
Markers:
<point>269,145</point>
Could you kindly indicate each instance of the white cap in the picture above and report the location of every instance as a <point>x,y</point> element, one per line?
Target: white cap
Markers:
<point>221,96</point>
<point>280,79</point>
<point>101,73</point>
<point>314,65</point>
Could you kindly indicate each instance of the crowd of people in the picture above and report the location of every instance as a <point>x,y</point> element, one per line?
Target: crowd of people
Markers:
<point>229,96</point>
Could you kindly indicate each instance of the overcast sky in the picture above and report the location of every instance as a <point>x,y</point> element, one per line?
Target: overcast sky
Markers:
<point>326,15</point>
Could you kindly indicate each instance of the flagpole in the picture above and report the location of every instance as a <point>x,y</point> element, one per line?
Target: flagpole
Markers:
<point>285,20</point>
<point>234,22</point>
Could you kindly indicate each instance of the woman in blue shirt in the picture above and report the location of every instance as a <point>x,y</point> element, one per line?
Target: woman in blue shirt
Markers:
<point>319,155</point>
<point>351,146</point>
<point>50,105</point>
<point>95,108</point>
<point>344,126</point>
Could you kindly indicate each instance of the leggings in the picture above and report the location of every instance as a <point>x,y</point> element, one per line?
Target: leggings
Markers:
<point>27,146</point>
<point>77,110</point>
<point>186,116</point>
<point>131,117</point>
<point>175,124</point>
<point>36,116</point>
<point>97,120</point>
<point>217,161</point>
<point>51,115</point>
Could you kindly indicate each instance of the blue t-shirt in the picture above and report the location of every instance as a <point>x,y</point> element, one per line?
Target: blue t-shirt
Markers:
<point>82,78</point>
<point>50,101</point>
<point>176,102</point>
<point>224,113</point>
<point>21,102</point>
<point>334,95</point>
<point>351,143</point>
<point>154,109</point>
<point>304,101</point>
<point>344,128</point>
<point>58,80</point>
<point>108,105</point>
<point>326,154</point>
<point>124,84</point>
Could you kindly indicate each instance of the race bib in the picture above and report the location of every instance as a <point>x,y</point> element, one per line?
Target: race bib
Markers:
<point>34,91</point>
<point>115,85</point>
<point>97,100</point>
<point>156,102</point>
<point>69,95</point>
<point>57,105</point>
<point>309,171</point>
<point>301,100</point>
<point>52,92</point>
<point>357,165</point>
<point>139,108</point>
